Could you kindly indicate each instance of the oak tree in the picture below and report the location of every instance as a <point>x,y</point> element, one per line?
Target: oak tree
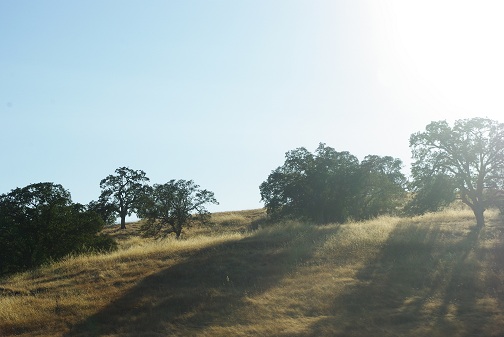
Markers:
<point>470,153</point>
<point>122,191</point>
<point>39,223</point>
<point>170,207</point>
<point>331,186</point>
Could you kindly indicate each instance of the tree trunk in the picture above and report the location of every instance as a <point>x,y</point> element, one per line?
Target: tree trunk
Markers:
<point>178,230</point>
<point>123,221</point>
<point>477,208</point>
<point>478,213</point>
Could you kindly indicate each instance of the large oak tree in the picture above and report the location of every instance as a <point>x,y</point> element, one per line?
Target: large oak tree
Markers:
<point>123,191</point>
<point>471,154</point>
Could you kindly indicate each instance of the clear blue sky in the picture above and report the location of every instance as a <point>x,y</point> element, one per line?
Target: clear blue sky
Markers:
<point>218,91</point>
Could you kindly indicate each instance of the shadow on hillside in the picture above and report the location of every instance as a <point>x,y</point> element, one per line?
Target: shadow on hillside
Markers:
<point>204,289</point>
<point>417,286</point>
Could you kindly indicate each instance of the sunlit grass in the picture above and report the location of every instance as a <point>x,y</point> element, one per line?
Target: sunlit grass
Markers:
<point>432,275</point>
<point>51,298</point>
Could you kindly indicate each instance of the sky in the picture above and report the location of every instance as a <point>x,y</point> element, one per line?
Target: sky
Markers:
<point>218,91</point>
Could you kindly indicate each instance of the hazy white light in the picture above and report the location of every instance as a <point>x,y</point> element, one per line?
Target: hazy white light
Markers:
<point>448,52</point>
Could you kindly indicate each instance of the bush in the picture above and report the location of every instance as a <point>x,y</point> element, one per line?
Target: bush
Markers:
<point>39,223</point>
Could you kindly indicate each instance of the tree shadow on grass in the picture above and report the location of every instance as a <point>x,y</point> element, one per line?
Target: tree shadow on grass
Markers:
<point>203,290</point>
<point>423,283</point>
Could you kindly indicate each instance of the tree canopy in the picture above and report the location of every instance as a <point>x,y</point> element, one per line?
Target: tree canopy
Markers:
<point>430,194</point>
<point>381,186</point>
<point>332,186</point>
<point>470,155</point>
<point>170,207</point>
<point>123,191</point>
<point>39,223</point>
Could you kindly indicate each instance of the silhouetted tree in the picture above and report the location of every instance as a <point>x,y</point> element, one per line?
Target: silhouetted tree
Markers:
<point>172,206</point>
<point>471,153</point>
<point>123,191</point>
<point>331,186</point>
<point>39,223</point>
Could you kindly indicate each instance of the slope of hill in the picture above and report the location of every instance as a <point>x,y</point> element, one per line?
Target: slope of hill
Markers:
<point>434,275</point>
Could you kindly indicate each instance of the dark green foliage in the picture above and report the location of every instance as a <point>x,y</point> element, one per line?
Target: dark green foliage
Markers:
<point>431,194</point>
<point>381,186</point>
<point>471,154</point>
<point>170,207</point>
<point>99,243</point>
<point>123,192</point>
<point>39,223</point>
<point>331,186</point>
<point>105,210</point>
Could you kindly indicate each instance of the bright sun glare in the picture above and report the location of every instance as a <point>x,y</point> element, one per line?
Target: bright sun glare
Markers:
<point>448,51</point>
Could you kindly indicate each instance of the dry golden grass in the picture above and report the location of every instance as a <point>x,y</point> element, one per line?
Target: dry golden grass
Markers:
<point>433,275</point>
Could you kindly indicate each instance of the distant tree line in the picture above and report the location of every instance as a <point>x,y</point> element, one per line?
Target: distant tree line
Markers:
<point>167,208</point>
<point>464,162</point>
<point>39,223</point>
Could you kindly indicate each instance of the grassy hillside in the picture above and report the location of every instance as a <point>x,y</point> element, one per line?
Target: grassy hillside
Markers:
<point>433,275</point>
